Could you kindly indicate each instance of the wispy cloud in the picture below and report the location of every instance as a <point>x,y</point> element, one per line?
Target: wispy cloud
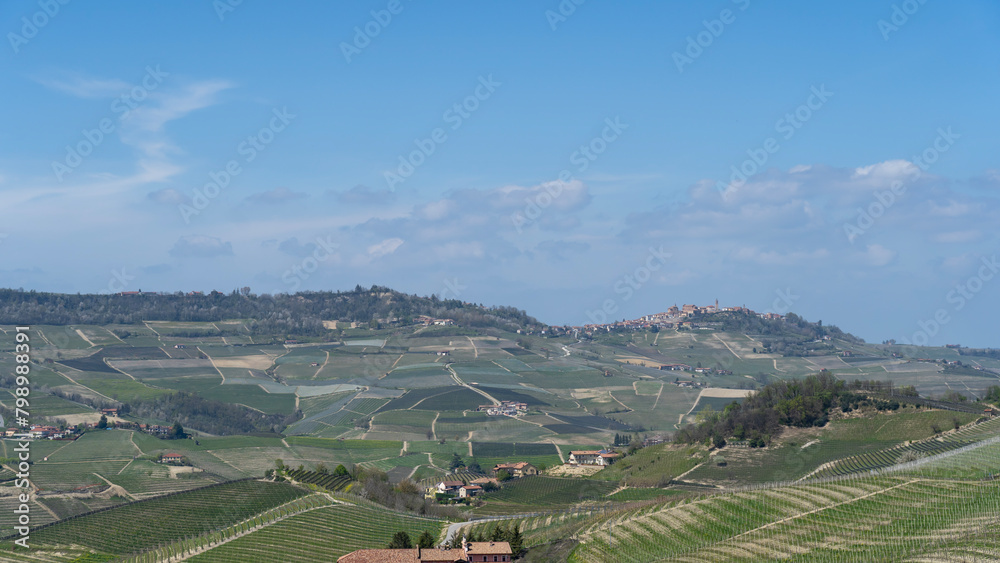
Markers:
<point>81,86</point>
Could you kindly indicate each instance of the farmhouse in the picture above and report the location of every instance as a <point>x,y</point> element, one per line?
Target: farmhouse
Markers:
<point>172,458</point>
<point>449,486</point>
<point>469,491</point>
<point>519,469</point>
<point>109,412</point>
<point>470,551</point>
<point>592,457</point>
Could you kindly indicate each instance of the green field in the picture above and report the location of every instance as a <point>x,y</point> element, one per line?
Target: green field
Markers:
<point>388,400</point>
<point>330,531</point>
<point>131,528</point>
<point>859,519</point>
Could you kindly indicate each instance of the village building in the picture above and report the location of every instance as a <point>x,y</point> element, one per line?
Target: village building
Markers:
<point>593,457</point>
<point>172,458</point>
<point>449,486</point>
<point>470,551</point>
<point>519,469</point>
<point>505,408</point>
<point>37,431</point>
<point>467,491</point>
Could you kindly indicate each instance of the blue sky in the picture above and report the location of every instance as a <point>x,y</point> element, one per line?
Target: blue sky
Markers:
<point>574,160</point>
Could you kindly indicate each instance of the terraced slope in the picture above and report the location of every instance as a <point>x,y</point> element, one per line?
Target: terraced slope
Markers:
<point>865,519</point>
<point>924,448</point>
<point>143,525</point>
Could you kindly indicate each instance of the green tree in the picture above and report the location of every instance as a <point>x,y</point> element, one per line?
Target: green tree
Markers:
<point>103,423</point>
<point>426,540</point>
<point>178,431</point>
<point>515,539</point>
<point>503,475</point>
<point>401,540</point>
<point>340,471</point>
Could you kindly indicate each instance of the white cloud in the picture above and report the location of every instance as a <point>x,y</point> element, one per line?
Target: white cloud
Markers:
<point>387,246</point>
<point>887,171</point>
<point>82,86</point>
<point>952,209</point>
<point>878,255</point>
<point>167,105</point>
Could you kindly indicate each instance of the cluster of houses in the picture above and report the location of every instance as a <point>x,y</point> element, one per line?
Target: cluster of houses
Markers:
<point>467,553</point>
<point>461,489</point>
<point>39,432</point>
<point>46,432</point>
<point>141,292</point>
<point>505,408</point>
<point>692,384</point>
<point>429,321</point>
<point>474,487</point>
<point>671,318</point>
<point>685,367</point>
<point>518,469</point>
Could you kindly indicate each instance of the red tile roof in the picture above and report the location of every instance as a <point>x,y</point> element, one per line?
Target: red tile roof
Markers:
<point>487,548</point>
<point>381,556</point>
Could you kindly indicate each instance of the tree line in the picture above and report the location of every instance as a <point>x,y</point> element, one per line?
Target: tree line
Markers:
<point>213,417</point>
<point>301,313</point>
